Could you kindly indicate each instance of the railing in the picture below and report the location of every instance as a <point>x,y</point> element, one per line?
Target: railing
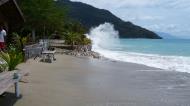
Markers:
<point>32,51</point>
<point>35,50</point>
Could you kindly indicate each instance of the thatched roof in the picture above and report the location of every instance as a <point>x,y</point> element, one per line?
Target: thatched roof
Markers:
<point>11,11</point>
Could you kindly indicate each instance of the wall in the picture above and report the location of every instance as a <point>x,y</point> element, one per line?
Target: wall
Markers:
<point>3,22</point>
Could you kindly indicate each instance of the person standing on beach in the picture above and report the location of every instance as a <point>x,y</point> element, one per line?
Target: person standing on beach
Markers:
<point>3,34</point>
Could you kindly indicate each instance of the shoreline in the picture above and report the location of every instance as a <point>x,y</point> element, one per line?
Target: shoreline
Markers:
<point>103,58</point>
<point>71,81</point>
<point>163,62</point>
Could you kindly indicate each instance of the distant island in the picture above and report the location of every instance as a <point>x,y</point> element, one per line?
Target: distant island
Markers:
<point>90,16</point>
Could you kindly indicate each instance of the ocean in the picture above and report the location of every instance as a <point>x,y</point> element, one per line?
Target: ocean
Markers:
<point>167,54</point>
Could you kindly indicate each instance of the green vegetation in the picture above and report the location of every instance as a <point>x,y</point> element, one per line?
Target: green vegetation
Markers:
<point>86,41</point>
<point>45,17</point>
<point>76,39</point>
<point>90,16</point>
<point>13,55</point>
<point>11,59</point>
<point>75,34</point>
<point>3,64</point>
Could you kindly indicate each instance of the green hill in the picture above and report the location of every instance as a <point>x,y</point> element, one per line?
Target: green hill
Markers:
<point>90,16</point>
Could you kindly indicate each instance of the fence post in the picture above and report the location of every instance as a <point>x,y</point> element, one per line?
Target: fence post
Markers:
<point>17,90</point>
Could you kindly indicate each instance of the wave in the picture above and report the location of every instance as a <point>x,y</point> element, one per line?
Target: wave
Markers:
<point>169,63</point>
<point>104,38</point>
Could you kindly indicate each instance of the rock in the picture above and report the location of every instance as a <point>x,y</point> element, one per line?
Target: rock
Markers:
<point>83,48</point>
<point>84,51</point>
<point>96,55</point>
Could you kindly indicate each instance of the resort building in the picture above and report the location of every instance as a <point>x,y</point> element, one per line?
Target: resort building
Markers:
<point>10,14</point>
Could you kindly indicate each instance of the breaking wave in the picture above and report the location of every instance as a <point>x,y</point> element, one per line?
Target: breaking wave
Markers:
<point>106,40</point>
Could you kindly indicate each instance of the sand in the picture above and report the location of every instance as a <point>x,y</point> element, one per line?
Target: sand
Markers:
<point>71,81</point>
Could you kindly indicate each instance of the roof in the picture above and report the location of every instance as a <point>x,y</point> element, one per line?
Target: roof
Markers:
<point>3,1</point>
<point>11,11</point>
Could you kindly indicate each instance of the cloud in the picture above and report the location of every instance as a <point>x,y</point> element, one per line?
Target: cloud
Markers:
<point>171,16</point>
<point>119,3</point>
<point>138,3</point>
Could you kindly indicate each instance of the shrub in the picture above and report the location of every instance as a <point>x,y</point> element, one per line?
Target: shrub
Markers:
<point>11,59</point>
<point>77,39</point>
<point>86,41</point>
<point>3,63</point>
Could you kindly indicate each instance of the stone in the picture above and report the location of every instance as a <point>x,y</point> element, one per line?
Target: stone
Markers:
<point>84,51</point>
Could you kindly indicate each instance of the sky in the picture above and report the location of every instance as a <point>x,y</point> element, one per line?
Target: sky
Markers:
<point>168,16</point>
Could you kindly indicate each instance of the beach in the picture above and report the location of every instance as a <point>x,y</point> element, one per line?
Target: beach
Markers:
<point>72,81</point>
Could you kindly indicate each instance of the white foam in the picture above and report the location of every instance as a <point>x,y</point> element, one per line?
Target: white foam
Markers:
<point>170,63</point>
<point>104,37</point>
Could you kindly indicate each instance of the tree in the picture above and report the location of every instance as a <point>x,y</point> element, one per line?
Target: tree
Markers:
<point>42,16</point>
<point>46,17</point>
<point>72,38</point>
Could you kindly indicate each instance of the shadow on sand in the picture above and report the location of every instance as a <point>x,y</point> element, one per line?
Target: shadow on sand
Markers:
<point>8,99</point>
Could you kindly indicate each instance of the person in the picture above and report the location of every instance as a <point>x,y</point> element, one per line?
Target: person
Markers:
<point>3,34</point>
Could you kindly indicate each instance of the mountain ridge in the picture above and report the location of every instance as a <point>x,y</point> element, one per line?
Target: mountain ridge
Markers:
<point>91,16</point>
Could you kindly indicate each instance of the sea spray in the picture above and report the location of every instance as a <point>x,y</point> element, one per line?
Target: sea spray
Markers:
<point>103,37</point>
<point>106,42</point>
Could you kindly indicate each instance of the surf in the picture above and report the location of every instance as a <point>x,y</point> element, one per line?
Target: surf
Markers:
<point>105,40</point>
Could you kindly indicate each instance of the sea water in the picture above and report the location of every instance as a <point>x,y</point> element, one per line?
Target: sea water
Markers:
<point>167,54</point>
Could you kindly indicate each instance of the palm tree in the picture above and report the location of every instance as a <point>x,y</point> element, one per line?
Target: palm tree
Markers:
<point>72,38</point>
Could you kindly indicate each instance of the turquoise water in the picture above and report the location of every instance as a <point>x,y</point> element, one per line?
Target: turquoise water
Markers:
<point>168,47</point>
<point>166,54</point>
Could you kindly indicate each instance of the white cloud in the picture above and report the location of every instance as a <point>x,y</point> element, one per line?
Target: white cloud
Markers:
<point>119,3</point>
<point>171,16</point>
<point>138,3</point>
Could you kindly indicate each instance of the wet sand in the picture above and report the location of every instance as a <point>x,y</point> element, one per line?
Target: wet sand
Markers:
<point>72,81</point>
